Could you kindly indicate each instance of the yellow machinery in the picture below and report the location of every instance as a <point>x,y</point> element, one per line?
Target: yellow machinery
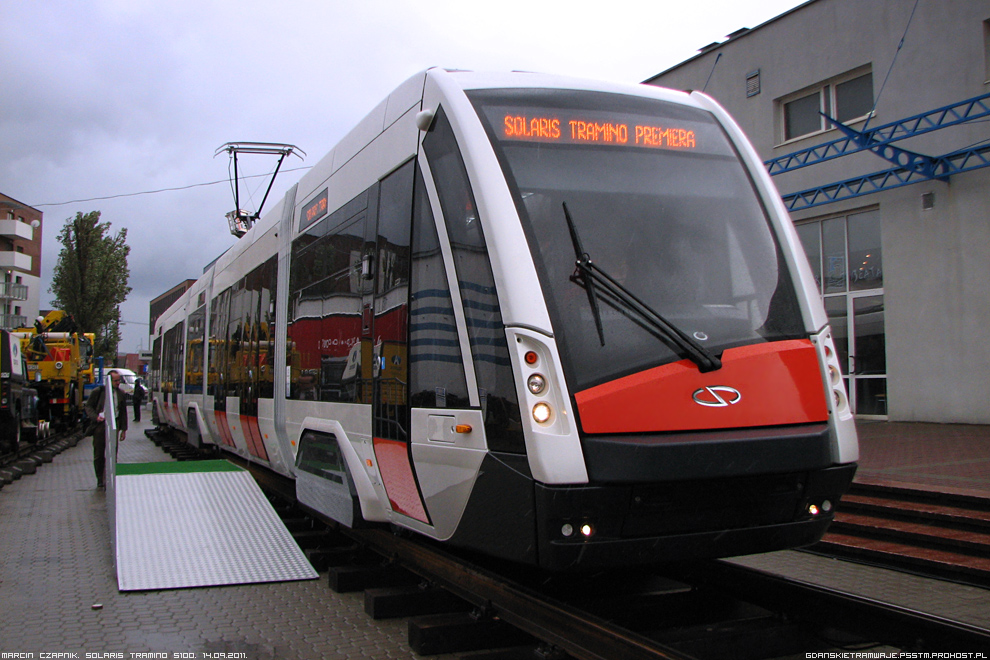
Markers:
<point>60,365</point>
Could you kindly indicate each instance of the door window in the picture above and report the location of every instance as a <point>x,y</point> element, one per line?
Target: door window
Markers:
<point>496,386</point>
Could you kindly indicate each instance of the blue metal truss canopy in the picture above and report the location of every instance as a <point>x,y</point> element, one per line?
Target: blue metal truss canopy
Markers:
<point>943,167</point>
<point>911,167</point>
<point>926,122</point>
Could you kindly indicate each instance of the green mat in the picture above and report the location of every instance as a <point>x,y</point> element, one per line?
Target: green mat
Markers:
<point>177,467</point>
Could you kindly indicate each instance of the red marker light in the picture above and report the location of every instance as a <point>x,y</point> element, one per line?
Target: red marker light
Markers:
<point>532,358</point>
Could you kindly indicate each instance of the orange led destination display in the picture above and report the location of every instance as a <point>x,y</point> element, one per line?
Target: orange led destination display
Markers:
<point>576,130</point>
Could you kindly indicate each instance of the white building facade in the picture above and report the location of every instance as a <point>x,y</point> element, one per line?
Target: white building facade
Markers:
<point>20,263</point>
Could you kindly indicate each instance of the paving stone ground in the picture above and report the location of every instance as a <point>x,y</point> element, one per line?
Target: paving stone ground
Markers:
<point>58,588</point>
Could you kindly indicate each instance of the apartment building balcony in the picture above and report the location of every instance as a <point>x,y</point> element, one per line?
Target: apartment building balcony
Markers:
<point>10,260</point>
<point>13,291</point>
<point>16,229</point>
<point>11,321</point>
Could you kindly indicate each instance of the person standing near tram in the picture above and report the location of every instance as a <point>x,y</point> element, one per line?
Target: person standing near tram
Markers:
<point>94,412</point>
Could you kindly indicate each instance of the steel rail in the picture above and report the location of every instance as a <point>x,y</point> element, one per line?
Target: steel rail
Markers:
<point>26,449</point>
<point>871,618</point>
<point>587,636</point>
<point>582,635</point>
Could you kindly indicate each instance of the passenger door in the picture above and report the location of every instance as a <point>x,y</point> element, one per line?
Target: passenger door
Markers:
<point>389,343</point>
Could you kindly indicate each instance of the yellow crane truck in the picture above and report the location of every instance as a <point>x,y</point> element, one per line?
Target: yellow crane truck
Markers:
<point>60,365</point>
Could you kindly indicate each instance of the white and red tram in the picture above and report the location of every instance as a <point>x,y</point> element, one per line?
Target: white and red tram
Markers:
<point>563,322</point>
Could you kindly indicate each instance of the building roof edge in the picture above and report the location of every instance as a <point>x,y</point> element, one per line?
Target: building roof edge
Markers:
<point>734,36</point>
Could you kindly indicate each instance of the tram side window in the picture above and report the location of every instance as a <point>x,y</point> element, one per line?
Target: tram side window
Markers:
<point>324,311</point>
<point>172,360</point>
<point>167,382</point>
<point>251,337</point>
<point>219,340</point>
<point>194,351</point>
<point>489,350</point>
<point>340,373</point>
<point>267,281</point>
<point>391,303</point>
<point>156,365</point>
<point>436,367</point>
<point>235,363</point>
<point>303,314</point>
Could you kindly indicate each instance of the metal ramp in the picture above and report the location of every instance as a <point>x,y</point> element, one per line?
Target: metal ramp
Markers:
<point>196,524</point>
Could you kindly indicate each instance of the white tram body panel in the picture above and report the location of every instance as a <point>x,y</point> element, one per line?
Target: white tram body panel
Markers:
<point>563,322</point>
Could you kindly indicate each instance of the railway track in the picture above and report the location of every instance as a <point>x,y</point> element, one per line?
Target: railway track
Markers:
<point>463,604</point>
<point>27,458</point>
<point>936,534</point>
<point>703,611</point>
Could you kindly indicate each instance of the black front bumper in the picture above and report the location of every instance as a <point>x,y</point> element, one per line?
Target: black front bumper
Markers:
<point>677,520</point>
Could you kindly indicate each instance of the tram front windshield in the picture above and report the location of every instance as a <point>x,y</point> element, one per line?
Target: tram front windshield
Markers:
<point>660,202</point>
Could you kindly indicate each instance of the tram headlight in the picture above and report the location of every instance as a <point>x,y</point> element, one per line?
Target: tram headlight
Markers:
<point>536,383</point>
<point>584,530</point>
<point>542,412</point>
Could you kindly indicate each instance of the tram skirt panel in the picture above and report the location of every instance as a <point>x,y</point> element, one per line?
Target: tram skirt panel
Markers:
<point>197,524</point>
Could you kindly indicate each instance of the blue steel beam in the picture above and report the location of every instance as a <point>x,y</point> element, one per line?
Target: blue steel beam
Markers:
<point>933,120</point>
<point>903,158</point>
<point>943,167</point>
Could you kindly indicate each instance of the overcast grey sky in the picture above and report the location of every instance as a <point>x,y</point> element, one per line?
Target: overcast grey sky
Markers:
<point>102,98</point>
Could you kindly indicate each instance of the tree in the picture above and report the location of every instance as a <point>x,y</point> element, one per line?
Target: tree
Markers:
<point>90,278</point>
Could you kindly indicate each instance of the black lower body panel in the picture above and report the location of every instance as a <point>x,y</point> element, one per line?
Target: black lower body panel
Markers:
<point>716,513</point>
<point>500,518</point>
<point>648,458</point>
<point>609,525</point>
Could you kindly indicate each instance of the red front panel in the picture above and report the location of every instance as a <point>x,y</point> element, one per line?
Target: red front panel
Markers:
<point>758,385</point>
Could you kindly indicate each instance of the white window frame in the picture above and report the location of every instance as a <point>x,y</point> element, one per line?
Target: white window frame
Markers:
<point>827,103</point>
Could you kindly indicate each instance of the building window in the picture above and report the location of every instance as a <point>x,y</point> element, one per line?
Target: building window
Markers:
<point>848,98</point>
<point>986,50</point>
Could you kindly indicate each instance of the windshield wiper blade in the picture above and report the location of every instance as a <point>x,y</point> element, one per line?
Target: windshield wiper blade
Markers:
<point>583,271</point>
<point>592,276</point>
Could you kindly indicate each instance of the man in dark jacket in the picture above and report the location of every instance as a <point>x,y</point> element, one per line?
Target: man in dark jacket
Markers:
<point>94,412</point>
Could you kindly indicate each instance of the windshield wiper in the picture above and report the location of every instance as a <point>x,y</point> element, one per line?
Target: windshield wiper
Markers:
<point>593,276</point>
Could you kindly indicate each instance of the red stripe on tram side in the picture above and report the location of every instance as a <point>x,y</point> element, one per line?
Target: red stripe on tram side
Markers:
<point>397,475</point>
<point>758,385</point>
<point>224,428</point>
<point>227,430</point>
<point>218,416</point>
<point>253,435</point>
<point>256,429</point>
<point>248,435</point>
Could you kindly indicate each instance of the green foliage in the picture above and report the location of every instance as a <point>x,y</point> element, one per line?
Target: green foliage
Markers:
<point>90,278</point>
